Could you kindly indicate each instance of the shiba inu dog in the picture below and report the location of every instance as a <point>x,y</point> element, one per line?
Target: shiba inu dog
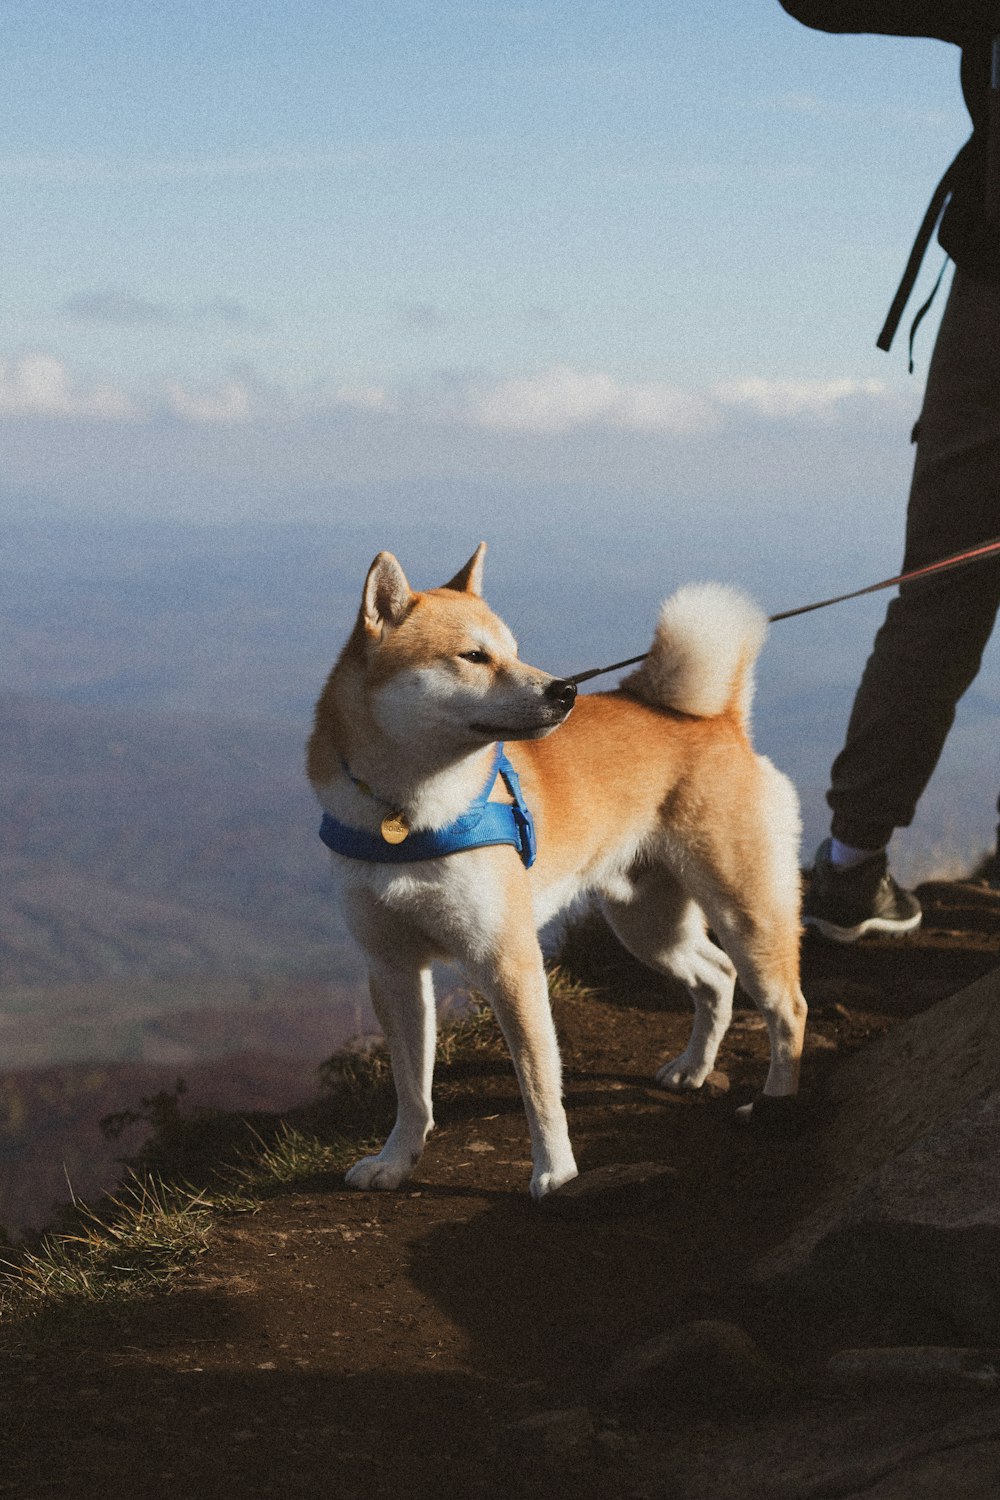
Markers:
<point>650,798</point>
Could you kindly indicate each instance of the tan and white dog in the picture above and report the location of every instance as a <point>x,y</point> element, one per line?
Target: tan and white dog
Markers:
<point>650,798</point>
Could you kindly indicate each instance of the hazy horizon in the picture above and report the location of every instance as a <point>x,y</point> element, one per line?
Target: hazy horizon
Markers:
<point>243,621</point>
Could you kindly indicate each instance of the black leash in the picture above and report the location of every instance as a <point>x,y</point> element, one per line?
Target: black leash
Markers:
<point>956,560</point>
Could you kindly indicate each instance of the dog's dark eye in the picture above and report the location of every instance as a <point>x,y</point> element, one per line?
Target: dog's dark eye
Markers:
<point>481,657</point>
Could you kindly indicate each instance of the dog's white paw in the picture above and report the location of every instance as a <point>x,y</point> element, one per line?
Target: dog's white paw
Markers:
<point>379,1173</point>
<point>546,1182</point>
<point>683,1073</point>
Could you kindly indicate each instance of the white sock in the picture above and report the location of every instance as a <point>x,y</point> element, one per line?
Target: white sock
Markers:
<point>847,857</point>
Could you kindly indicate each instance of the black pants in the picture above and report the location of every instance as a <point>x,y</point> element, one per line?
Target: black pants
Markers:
<point>929,648</point>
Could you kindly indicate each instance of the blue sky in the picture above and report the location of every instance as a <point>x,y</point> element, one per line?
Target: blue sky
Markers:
<point>255,250</point>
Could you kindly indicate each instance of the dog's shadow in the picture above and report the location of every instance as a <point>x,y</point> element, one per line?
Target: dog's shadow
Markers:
<point>503,1276</point>
<point>545,1299</point>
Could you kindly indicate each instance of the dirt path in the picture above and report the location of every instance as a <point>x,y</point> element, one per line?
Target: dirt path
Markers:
<point>455,1340</point>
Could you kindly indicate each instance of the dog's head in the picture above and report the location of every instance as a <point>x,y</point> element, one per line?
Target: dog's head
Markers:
<point>442,669</point>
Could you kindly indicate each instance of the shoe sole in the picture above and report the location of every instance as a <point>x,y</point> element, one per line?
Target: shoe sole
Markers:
<point>871,924</point>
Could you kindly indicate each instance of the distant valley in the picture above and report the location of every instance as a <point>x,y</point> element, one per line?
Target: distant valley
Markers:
<point>157,845</point>
<point>165,912</point>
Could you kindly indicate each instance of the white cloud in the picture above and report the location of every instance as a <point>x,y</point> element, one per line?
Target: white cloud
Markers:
<point>39,385</point>
<point>556,402</point>
<point>793,398</point>
<point>563,399</point>
<point>225,405</point>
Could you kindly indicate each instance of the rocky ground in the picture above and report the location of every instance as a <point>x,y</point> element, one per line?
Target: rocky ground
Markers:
<point>455,1339</point>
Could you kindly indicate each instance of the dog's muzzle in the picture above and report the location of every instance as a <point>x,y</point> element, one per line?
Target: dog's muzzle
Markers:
<point>562,693</point>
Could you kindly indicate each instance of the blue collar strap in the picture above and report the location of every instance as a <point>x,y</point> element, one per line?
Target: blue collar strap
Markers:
<point>484,823</point>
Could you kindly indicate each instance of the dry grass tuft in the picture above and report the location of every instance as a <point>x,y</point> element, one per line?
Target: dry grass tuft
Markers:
<point>143,1237</point>
<point>289,1159</point>
<point>469,1035</point>
<point>358,1070</point>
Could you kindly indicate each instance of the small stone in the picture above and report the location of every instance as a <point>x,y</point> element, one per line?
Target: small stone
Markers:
<point>715,1085</point>
<point>616,1189</point>
<point>820,1043</point>
<point>706,1360</point>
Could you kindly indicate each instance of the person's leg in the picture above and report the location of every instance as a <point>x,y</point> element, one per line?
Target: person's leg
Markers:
<point>928,650</point>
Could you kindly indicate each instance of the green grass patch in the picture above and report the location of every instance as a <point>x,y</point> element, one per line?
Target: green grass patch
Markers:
<point>291,1157</point>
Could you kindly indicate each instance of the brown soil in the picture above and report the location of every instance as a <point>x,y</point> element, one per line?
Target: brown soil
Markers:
<point>351,1344</point>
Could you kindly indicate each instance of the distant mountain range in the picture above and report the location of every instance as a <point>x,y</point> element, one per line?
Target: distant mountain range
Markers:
<point>165,911</point>
<point>135,844</point>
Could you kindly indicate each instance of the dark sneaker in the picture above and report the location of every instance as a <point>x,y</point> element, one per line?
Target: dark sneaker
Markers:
<point>845,904</point>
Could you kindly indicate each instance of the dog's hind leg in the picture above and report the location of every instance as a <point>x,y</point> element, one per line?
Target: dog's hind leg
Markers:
<point>710,978</point>
<point>662,928</point>
<point>765,951</point>
<point>749,888</point>
<point>403,999</point>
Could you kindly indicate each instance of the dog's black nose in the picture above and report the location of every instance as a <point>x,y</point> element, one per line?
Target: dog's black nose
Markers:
<point>562,693</point>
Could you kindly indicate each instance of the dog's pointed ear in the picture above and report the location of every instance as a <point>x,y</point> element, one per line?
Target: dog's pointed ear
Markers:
<point>387,594</point>
<point>469,580</point>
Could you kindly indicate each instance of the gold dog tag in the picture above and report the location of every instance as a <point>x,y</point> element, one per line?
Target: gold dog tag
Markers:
<point>395,828</point>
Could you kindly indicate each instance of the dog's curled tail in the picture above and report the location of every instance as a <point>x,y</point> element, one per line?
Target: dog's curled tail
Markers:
<point>701,662</point>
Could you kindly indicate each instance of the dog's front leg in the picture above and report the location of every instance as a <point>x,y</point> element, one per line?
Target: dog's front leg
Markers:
<point>404,1004</point>
<point>514,983</point>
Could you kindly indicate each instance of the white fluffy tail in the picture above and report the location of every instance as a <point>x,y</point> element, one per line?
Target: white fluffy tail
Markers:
<point>701,662</point>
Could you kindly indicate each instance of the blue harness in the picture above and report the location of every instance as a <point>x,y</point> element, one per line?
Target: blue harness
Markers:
<point>484,823</point>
